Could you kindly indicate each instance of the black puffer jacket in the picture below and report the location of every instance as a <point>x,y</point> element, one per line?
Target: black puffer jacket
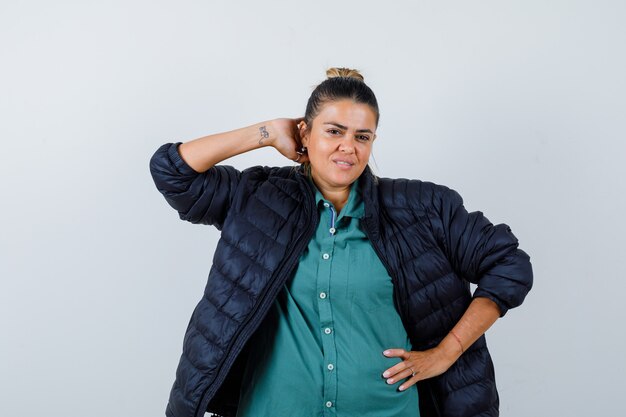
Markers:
<point>431,246</point>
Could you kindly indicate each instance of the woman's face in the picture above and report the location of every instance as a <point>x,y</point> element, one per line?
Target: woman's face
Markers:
<point>339,143</point>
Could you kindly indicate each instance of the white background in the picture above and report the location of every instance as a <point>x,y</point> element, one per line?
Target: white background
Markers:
<point>520,106</point>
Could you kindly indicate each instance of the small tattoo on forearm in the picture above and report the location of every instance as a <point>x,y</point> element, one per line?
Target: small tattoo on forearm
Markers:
<point>264,134</point>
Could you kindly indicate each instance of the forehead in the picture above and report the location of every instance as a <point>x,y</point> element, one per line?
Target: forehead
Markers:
<point>347,113</point>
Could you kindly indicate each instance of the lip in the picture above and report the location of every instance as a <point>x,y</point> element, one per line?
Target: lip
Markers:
<point>343,160</point>
<point>342,166</point>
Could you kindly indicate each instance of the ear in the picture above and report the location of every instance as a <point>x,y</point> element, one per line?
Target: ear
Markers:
<point>304,133</point>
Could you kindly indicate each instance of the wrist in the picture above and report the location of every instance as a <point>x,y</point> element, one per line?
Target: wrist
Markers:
<point>450,348</point>
<point>265,133</point>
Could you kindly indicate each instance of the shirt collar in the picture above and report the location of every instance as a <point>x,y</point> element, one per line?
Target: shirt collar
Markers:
<point>354,206</point>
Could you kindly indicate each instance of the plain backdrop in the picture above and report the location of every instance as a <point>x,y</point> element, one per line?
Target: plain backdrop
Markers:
<point>520,106</point>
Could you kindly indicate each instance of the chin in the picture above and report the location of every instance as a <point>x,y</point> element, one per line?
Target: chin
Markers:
<point>344,180</point>
<point>338,178</point>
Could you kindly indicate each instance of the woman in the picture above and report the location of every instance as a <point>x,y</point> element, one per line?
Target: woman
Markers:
<point>332,291</point>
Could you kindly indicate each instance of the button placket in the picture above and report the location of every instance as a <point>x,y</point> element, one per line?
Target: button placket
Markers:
<point>324,302</point>
<point>333,217</point>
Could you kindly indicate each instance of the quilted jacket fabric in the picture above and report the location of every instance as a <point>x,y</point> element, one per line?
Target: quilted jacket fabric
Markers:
<point>430,244</point>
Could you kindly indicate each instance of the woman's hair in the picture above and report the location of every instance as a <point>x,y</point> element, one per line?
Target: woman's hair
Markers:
<point>340,84</point>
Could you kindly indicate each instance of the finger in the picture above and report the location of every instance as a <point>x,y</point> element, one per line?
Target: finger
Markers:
<point>394,352</point>
<point>405,373</point>
<point>300,158</point>
<point>396,369</point>
<point>409,383</point>
<point>301,154</point>
<point>390,353</point>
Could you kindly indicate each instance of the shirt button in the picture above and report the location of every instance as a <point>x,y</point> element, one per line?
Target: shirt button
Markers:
<point>325,256</point>
<point>332,230</point>
<point>330,367</point>
<point>327,330</point>
<point>322,295</point>
<point>329,404</point>
<point>326,205</point>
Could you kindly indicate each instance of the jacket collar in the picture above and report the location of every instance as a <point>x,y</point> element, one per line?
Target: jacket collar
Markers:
<point>369,187</point>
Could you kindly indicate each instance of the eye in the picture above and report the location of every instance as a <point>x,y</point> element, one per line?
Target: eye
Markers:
<point>364,138</point>
<point>333,130</point>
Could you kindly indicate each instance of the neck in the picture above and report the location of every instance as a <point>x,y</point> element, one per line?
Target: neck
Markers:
<point>338,196</point>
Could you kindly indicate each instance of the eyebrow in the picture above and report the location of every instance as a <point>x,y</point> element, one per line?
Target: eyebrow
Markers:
<point>344,127</point>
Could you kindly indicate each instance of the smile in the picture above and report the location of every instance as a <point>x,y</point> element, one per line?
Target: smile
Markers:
<point>343,164</point>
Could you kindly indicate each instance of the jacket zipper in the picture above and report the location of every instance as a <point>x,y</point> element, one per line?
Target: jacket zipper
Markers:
<point>302,241</point>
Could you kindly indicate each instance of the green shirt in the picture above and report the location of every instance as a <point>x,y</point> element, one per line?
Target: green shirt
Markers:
<point>319,351</point>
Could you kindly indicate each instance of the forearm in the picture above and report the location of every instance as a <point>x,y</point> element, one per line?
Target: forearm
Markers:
<point>477,319</point>
<point>202,153</point>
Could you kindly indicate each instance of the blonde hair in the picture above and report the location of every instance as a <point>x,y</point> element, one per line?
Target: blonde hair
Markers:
<point>344,72</point>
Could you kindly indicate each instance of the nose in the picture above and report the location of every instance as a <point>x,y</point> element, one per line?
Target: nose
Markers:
<point>346,145</point>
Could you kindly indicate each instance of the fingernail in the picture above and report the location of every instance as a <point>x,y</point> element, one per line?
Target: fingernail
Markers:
<point>387,352</point>
<point>401,388</point>
<point>386,374</point>
<point>390,381</point>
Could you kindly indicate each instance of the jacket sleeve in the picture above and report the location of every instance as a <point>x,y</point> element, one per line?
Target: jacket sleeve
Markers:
<point>199,197</point>
<point>484,254</point>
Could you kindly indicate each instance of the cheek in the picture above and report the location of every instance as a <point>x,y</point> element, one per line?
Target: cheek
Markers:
<point>317,149</point>
<point>365,151</point>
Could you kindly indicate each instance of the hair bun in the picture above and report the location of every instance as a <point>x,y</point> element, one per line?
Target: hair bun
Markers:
<point>343,72</point>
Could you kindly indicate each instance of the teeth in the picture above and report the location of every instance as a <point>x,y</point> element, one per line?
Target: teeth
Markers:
<point>343,163</point>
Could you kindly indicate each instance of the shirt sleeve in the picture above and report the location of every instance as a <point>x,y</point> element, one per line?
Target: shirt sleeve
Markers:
<point>199,197</point>
<point>485,254</point>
